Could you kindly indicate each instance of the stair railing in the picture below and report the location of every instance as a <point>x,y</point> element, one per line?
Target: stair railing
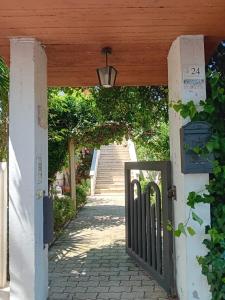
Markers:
<point>93,171</point>
<point>133,157</point>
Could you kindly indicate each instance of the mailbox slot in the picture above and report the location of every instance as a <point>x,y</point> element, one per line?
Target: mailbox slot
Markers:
<point>195,134</point>
<point>48,226</point>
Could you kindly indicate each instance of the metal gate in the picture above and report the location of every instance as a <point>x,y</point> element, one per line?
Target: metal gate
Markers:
<point>147,214</point>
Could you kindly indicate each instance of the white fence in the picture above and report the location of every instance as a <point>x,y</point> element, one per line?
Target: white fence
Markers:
<point>93,171</point>
<point>3,224</point>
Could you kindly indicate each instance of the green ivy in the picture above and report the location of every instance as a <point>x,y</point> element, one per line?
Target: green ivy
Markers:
<point>213,111</point>
<point>4,87</point>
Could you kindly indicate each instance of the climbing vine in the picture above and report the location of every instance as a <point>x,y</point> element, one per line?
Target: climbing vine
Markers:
<point>4,86</point>
<point>213,111</point>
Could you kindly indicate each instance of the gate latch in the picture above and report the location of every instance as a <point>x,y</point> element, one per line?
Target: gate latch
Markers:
<point>172,193</point>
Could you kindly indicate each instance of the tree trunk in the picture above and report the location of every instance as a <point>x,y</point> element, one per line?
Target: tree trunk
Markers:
<point>72,172</point>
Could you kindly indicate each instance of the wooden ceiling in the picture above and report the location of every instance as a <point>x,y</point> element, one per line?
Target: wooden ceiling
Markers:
<point>140,33</point>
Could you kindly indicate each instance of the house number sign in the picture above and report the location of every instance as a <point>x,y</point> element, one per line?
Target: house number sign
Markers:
<point>192,71</point>
<point>193,77</point>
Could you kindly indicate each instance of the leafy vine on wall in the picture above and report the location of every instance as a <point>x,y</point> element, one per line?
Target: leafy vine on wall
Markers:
<point>213,111</point>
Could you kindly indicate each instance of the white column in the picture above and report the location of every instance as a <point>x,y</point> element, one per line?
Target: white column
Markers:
<point>28,169</point>
<point>186,80</point>
<point>3,224</point>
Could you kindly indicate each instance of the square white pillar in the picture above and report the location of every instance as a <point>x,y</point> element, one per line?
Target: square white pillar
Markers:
<point>186,81</point>
<point>28,169</point>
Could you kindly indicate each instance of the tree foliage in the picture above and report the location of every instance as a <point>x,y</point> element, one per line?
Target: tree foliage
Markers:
<point>100,116</point>
<point>73,114</point>
<point>143,114</point>
<point>4,87</point>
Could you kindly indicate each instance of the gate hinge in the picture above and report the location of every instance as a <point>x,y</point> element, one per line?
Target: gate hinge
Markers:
<point>172,193</point>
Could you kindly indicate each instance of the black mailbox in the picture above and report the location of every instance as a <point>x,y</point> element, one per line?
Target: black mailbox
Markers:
<point>48,220</point>
<point>192,135</point>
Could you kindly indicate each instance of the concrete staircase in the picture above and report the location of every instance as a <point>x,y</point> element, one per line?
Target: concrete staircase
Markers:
<point>110,173</point>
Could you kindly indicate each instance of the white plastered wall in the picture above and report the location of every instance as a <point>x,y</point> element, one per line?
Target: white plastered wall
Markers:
<point>186,55</point>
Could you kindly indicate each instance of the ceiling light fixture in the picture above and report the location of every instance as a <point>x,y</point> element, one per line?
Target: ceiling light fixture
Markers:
<point>107,75</point>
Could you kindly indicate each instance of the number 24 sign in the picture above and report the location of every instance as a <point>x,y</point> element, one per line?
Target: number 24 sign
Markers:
<point>192,71</point>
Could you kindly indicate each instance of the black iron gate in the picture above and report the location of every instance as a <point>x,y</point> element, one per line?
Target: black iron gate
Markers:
<point>147,214</point>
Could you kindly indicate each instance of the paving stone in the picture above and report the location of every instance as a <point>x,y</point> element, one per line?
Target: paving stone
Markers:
<point>119,278</point>
<point>75,289</point>
<point>133,273</point>
<point>140,277</point>
<point>59,296</point>
<point>109,283</point>
<point>98,289</point>
<point>146,289</point>
<point>132,295</point>
<point>85,296</point>
<point>148,283</point>
<point>58,289</point>
<point>99,278</point>
<point>87,284</point>
<point>120,289</point>
<point>109,295</point>
<point>130,283</point>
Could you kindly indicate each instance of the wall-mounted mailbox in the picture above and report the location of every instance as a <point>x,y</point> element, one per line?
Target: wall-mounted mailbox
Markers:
<point>192,135</point>
<point>48,220</point>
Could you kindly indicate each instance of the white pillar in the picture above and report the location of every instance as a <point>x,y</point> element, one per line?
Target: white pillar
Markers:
<point>186,80</point>
<point>28,169</point>
<point>3,224</point>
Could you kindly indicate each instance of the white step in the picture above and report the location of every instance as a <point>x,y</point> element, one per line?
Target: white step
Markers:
<point>113,152</point>
<point>109,191</point>
<point>110,186</point>
<point>113,157</point>
<point>110,175</point>
<point>110,172</point>
<point>110,181</point>
<point>111,169</point>
<point>111,161</point>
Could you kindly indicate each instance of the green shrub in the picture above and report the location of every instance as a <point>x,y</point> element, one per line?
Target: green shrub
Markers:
<point>63,206</point>
<point>82,191</point>
<point>63,211</point>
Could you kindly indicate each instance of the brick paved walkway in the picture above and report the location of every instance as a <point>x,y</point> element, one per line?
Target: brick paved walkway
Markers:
<point>89,261</point>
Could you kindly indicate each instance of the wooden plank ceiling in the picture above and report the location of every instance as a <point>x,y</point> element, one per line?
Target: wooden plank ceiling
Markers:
<point>140,33</point>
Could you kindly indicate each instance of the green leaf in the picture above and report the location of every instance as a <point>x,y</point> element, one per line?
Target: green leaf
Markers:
<point>196,218</point>
<point>191,231</point>
<point>192,199</point>
<point>181,228</point>
<point>169,226</point>
<point>177,233</point>
<point>210,146</point>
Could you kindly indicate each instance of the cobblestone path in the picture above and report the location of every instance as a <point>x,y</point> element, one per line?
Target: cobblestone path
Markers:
<point>89,261</point>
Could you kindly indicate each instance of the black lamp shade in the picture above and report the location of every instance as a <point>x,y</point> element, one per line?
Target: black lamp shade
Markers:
<point>107,76</point>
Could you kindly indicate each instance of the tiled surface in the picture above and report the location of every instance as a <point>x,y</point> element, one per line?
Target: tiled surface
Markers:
<point>89,261</point>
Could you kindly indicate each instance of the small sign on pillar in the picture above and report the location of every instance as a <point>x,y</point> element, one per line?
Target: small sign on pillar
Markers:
<point>195,135</point>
